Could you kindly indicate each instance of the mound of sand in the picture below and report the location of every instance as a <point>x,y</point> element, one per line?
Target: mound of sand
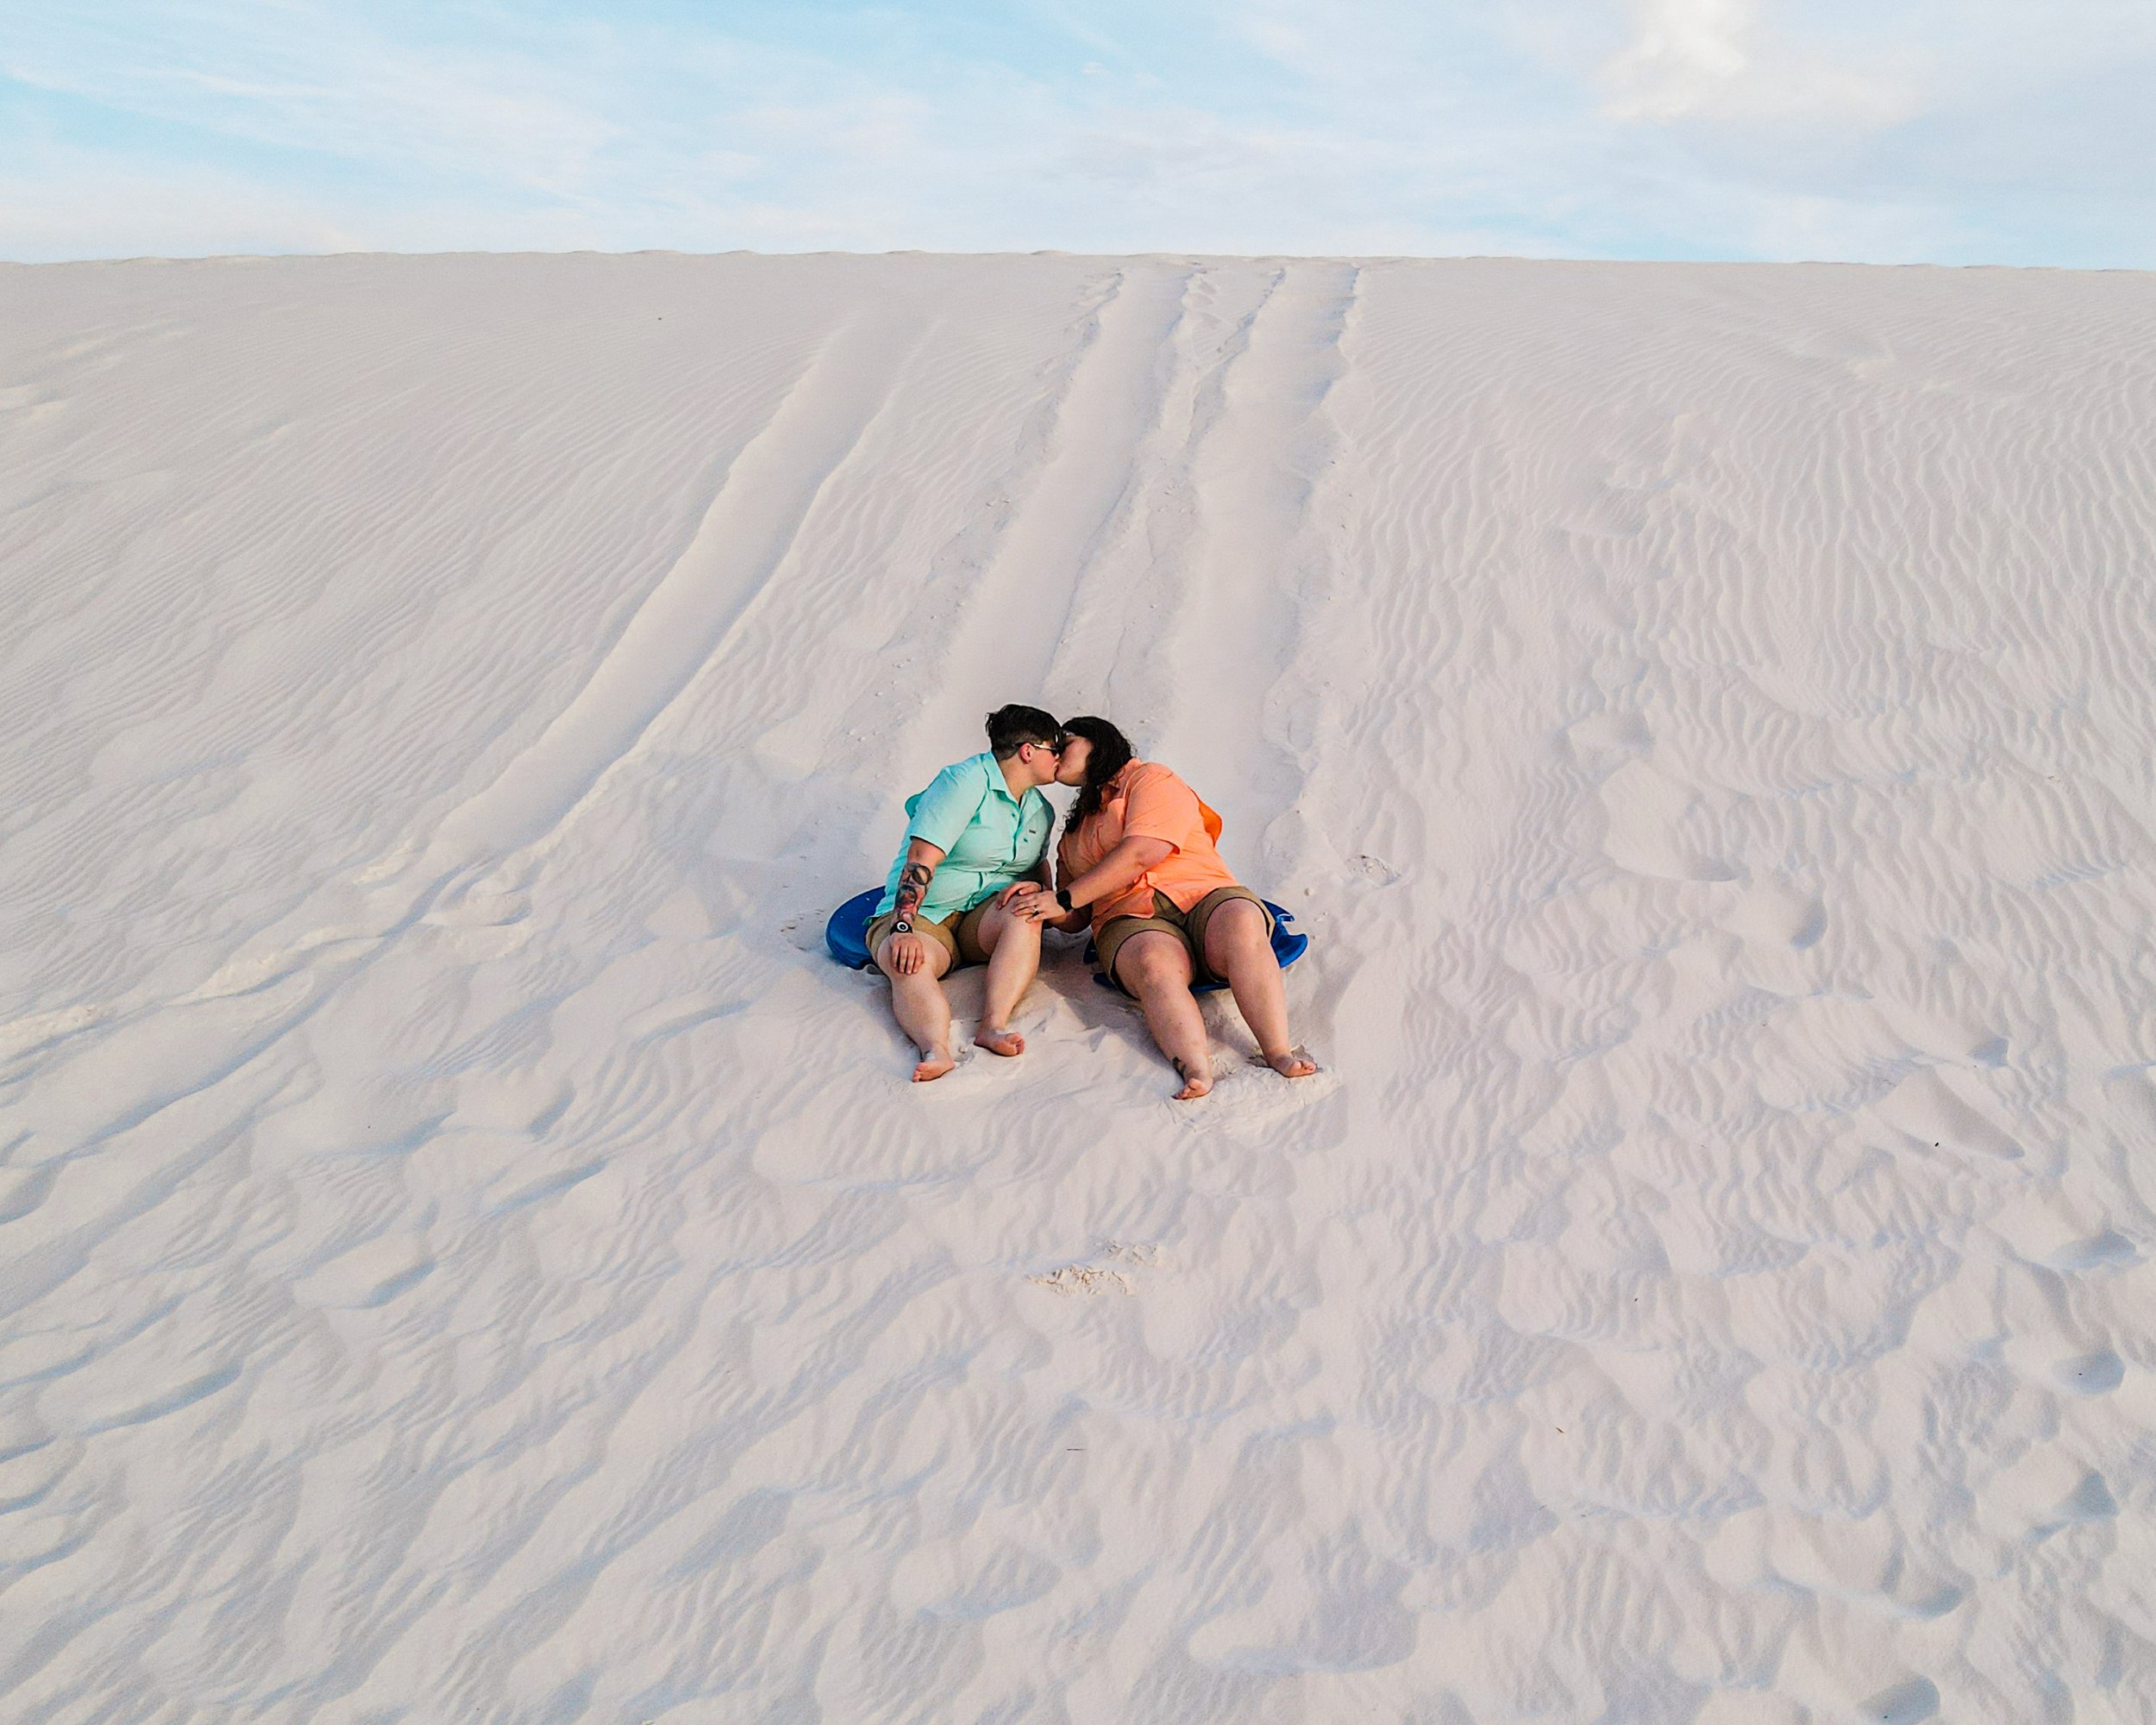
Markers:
<point>468,1254</point>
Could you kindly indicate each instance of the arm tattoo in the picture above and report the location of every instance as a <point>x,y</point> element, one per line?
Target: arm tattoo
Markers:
<point>912,888</point>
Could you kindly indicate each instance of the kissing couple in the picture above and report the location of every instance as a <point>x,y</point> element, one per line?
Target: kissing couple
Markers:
<point>1137,864</point>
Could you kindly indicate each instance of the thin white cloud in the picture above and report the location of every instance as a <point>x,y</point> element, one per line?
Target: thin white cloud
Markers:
<point>1954,130</point>
<point>1684,57</point>
<point>1713,59</point>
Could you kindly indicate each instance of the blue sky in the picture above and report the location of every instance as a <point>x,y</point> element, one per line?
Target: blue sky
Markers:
<point>1951,131</point>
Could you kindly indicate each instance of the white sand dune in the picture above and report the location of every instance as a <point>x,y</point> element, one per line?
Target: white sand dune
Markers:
<point>468,1256</point>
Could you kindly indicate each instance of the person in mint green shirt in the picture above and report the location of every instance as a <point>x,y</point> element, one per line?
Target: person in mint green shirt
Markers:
<point>978,829</point>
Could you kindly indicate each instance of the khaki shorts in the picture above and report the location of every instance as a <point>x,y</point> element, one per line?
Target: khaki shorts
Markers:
<point>1190,925</point>
<point>958,934</point>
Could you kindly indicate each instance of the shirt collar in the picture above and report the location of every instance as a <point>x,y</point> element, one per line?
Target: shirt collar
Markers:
<point>993,768</point>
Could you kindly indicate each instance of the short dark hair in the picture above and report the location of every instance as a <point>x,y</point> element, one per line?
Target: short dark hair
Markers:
<point>1011,728</point>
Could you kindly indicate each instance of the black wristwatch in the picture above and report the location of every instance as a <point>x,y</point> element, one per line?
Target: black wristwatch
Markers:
<point>1062,898</point>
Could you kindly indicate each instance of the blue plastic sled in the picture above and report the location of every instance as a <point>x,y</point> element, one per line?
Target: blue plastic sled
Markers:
<point>846,935</point>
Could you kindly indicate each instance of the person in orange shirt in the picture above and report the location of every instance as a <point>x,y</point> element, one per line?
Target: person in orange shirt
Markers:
<point>1136,861</point>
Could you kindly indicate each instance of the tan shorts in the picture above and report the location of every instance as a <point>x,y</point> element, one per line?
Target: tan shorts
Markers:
<point>1190,925</point>
<point>958,934</point>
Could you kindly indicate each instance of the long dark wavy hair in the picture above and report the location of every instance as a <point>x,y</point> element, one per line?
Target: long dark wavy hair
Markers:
<point>1110,754</point>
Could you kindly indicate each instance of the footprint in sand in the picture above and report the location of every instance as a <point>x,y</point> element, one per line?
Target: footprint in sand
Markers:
<point>1101,1274</point>
<point>805,933</point>
<point>1083,1278</point>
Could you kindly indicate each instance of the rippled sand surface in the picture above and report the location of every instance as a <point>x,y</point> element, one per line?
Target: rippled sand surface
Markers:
<point>467,1255</point>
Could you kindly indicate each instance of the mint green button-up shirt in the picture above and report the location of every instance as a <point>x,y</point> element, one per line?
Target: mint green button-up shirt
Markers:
<point>989,838</point>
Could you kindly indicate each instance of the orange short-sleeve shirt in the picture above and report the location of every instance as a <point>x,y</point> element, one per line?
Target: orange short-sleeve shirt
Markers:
<point>1147,800</point>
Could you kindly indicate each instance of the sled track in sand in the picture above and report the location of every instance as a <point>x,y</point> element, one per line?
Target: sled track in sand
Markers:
<point>464,1252</point>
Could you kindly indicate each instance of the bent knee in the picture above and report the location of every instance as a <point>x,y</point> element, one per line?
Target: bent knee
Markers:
<point>1239,924</point>
<point>999,929</point>
<point>932,965</point>
<point>1153,967</point>
<point>999,922</point>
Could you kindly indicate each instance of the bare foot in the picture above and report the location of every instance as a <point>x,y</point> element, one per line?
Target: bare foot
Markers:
<point>1195,1084</point>
<point>1293,1064</point>
<point>934,1064</point>
<point>1003,1042</point>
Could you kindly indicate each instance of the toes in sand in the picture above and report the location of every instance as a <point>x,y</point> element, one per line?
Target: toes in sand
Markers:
<point>1293,1064</point>
<point>934,1064</point>
<point>1004,1042</point>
